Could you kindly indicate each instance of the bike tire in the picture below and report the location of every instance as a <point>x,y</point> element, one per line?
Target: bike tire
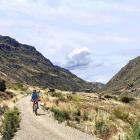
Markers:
<point>35,109</point>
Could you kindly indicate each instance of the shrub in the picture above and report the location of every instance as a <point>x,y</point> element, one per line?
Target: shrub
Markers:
<point>120,114</point>
<point>62,98</point>
<point>10,123</point>
<point>85,116</point>
<point>75,98</point>
<point>19,86</point>
<point>3,109</point>
<point>73,92</point>
<point>60,115</point>
<point>136,132</point>
<point>2,85</point>
<point>126,99</point>
<point>56,94</point>
<point>51,90</point>
<point>101,129</point>
<point>77,116</point>
<point>70,97</point>
<point>108,96</point>
<point>78,113</point>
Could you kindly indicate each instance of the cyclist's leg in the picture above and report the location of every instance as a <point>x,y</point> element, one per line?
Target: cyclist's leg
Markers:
<point>33,106</point>
<point>37,105</point>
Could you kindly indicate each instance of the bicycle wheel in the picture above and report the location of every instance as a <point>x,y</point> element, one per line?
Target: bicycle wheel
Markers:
<point>35,109</point>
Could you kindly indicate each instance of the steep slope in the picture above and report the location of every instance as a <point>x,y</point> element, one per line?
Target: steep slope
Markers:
<point>24,64</point>
<point>127,81</point>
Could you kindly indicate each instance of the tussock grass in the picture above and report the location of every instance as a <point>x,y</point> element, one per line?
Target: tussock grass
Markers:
<point>18,86</point>
<point>10,123</point>
<point>102,115</point>
<point>60,115</point>
<point>135,135</point>
<point>3,109</point>
<point>121,114</point>
<point>126,99</point>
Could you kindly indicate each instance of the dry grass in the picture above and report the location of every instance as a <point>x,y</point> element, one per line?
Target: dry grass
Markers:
<point>107,118</point>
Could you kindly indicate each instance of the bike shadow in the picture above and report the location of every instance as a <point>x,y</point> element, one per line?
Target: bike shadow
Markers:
<point>40,114</point>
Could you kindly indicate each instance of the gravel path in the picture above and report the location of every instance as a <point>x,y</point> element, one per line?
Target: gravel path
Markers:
<point>43,127</point>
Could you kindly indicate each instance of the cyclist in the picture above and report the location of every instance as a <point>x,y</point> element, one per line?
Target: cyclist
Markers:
<point>35,99</point>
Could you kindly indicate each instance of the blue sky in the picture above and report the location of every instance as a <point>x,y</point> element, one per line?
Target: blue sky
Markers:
<point>92,38</point>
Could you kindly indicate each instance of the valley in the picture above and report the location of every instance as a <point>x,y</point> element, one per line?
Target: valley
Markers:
<point>80,109</point>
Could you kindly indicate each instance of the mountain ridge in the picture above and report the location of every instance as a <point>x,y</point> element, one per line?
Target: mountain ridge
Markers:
<point>127,80</point>
<point>24,64</point>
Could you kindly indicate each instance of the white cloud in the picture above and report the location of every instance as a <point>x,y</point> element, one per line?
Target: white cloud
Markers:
<point>78,58</point>
<point>57,27</point>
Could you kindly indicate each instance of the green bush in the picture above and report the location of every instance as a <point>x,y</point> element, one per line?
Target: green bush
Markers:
<point>126,99</point>
<point>101,129</point>
<point>56,94</point>
<point>85,116</point>
<point>120,114</point>
<point>2,85</point>
<point>19,86</point>
<point>77,116</point>
<point>78,119</point>
<point>78,113</point>
<point>3,109</point>
<point>70,97</point>
<point>62,99</point>
<point>10,123</point>
<point>136,132</point>
<point>108,96</point>
<point>75,98</point>
<point>60,115</point>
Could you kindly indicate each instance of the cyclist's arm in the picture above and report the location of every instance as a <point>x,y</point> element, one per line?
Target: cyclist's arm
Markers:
<point>32,97</point>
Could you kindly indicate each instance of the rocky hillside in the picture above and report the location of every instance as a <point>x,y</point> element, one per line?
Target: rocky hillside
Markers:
<point>22,63</point>
<point>127,81</point>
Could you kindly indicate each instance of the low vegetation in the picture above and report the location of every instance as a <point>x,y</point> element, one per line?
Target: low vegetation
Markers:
<point>4,94</point>
<point>2,85</point>
<point>135,135</point>
<point>60,115</point>
<point>3,109</point>
<point>108,117</point>
<point>126,99</point>
<point>10,123</point>
<point>102,129</point>
<point>18,86</point>
<point>121,114</point>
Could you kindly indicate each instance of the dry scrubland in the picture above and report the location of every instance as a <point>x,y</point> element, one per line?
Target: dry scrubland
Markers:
<point>9,115</point>
<point>107,117</point>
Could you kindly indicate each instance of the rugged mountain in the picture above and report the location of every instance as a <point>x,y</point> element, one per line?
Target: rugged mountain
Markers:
<point>22,63</point>
<point>97,86</point>
<point>127,80</point>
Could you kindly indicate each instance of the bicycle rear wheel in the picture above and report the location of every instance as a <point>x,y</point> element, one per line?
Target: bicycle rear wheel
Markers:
<point>35,108</point>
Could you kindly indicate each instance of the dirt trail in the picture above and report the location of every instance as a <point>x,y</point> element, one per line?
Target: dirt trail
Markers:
<point>43,127</point>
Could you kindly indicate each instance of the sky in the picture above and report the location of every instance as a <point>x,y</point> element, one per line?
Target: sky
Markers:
<point>94,39</point>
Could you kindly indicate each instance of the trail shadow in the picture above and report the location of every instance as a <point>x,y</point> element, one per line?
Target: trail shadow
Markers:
<point>40,114</point>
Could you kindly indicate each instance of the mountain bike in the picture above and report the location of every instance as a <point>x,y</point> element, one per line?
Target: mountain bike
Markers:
<point>35,107</point>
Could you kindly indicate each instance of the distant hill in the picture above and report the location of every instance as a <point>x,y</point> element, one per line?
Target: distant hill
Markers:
<point>20,63</point>
<point>127,80</point>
